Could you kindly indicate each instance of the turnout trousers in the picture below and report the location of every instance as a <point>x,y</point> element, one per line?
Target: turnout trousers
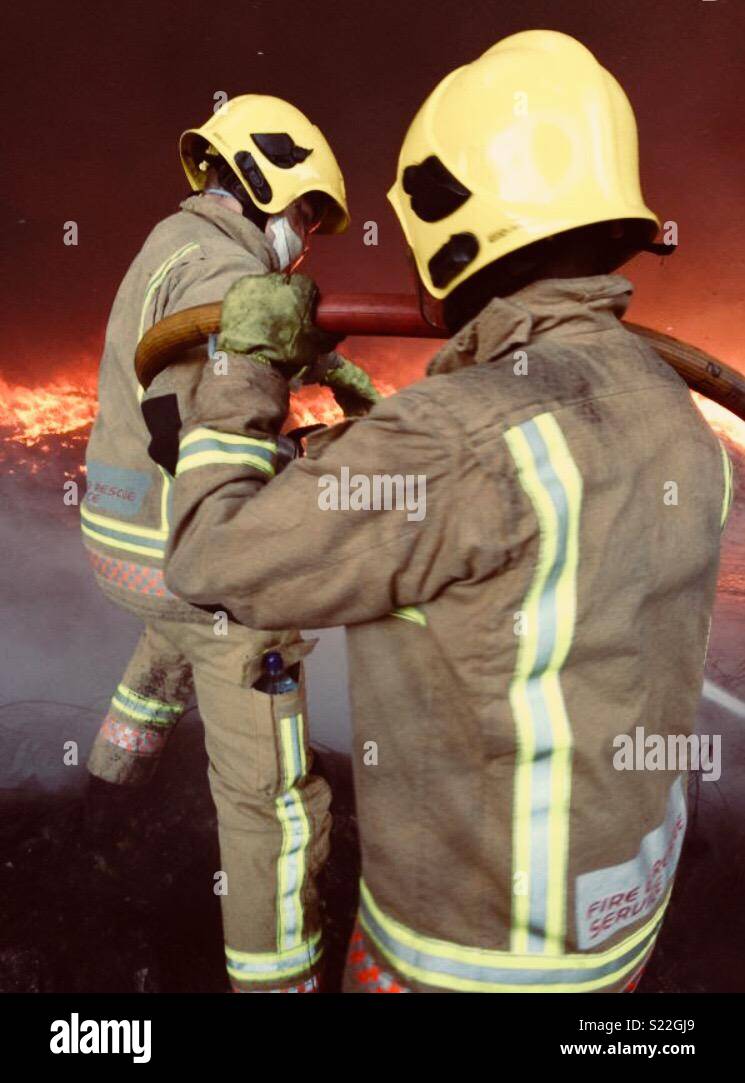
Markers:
<point>273,813</point>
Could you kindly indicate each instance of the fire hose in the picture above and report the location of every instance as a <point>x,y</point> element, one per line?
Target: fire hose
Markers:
<point>398,314</point>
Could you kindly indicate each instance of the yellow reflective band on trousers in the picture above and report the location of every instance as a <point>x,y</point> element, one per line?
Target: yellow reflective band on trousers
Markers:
<point>445,965</point>
<point>145,708</point>
<point>542,787</point>
<point>728,487</point>
<point>206,447</point>
<point>296,833</point>
<point>272,966</point>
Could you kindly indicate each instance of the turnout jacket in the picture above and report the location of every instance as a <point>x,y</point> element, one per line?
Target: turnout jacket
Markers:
<point>190,258</point>
<point>552,600</point>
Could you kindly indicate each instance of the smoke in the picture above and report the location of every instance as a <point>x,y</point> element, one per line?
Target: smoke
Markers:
<point>65,646</point>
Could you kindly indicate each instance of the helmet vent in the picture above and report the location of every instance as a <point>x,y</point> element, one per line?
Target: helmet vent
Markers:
<point>435,192</point>
<point>281,149</point>
<point>453,258</point>
<point>255,178</point>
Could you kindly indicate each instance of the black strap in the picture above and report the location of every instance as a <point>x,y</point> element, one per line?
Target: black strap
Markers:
<point>163,421</point>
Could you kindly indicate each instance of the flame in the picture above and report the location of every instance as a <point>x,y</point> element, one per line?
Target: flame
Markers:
<point>40,423</point>
<point>30,414</point>
<point>36,422</point>
<point>315,405</point>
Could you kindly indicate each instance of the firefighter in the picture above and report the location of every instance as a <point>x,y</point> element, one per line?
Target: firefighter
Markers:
<point>264,179</point>
<point>557,591</point>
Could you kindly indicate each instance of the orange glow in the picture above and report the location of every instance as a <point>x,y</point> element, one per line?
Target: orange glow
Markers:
<point>312,406</point>
<point>723,422</point>
<point>66,407</point>
<point>29,414</point>
<point>316,405</point>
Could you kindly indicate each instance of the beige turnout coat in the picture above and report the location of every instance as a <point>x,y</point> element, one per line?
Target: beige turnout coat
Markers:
<point>551,598</point>
<point>190,258</point>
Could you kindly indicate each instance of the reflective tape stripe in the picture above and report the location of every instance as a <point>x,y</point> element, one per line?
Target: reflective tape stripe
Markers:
<point>446,965</point>
<point>196,435</point>
<point>106,522</point>
<point>291,864</point>
<point>308,985</point>
<point>728,487</point>
<point>204,447</point>
<point>145,709</point>
<point>121,541</point>
<point>217,456</point>
<point>137,578</point>
<point>117,534</point>
<point>293,749</point>
<point>365,972</point>
<point>272,965</point>
<point>137,739</point>
<point>117,538</point>
<point>157,278</point>
<point>410,613</point>
<point>166,501</point>
<point>540,826</point>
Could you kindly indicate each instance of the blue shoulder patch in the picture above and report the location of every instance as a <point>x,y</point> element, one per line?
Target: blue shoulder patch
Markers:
<point>116,489</point>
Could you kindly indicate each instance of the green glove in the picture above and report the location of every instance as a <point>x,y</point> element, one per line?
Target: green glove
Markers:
<point>270,318</point>
<point>352,387</point>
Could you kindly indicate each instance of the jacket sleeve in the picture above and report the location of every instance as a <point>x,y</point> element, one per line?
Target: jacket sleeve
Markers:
<point>314,547</point>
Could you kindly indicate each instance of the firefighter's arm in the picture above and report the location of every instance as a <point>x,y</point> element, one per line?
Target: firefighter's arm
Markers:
<point>370,521</point>
<point>271,320</point>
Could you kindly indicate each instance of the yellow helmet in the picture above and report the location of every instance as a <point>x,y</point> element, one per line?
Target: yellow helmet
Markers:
<point>532,139</point>
<point>274,151</point>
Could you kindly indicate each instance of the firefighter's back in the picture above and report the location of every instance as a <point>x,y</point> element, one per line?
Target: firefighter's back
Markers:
<point>190,258</point>
<point>510,841</point>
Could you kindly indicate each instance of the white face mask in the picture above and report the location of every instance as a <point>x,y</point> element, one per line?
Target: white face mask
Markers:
<point>288,244</point>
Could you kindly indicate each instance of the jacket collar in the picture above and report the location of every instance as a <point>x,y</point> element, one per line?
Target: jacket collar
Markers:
<point>555,307</point>
<point>240,229</point>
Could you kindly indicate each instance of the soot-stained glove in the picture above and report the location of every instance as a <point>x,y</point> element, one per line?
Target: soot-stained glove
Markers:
<point>351,386</point>
<point>270,319</point>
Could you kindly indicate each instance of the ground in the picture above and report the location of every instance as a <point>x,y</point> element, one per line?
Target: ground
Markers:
<point>115,895</point>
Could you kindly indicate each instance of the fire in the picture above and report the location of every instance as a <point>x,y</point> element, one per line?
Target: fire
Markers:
<point>313,406</point>
<point>316,405</point>
<point>38,421</point>
<point>30,414</point>
<point>44,423</point>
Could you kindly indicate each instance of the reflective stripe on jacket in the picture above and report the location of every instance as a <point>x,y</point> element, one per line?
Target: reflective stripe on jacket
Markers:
<point>546,599</point>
